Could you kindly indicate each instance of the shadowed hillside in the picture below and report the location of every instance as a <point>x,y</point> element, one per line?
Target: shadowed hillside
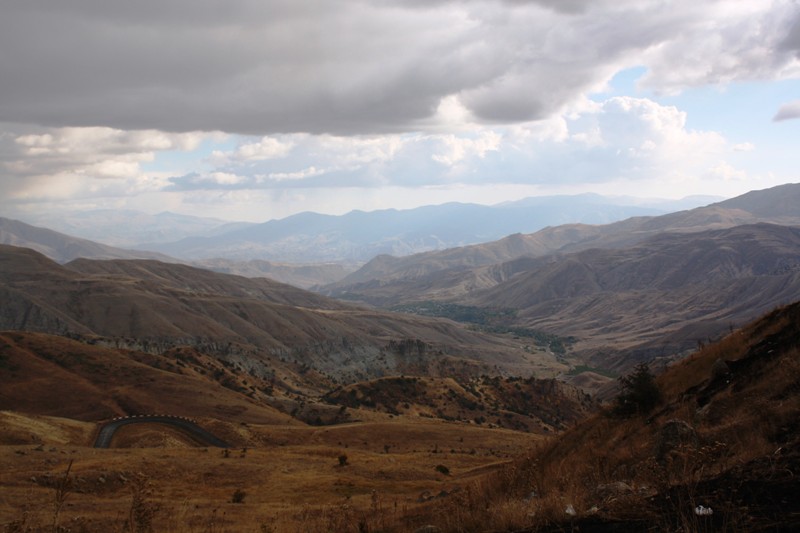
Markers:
<point>724,436</point>
<point>663,295</point>
<point>657,298</point>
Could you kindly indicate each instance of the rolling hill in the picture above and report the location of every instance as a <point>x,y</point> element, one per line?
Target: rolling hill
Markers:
<point>128,228</point>
<point>155,306</point>
<point>305,276</point>
<point>57,376</point>
<point>63,248</point>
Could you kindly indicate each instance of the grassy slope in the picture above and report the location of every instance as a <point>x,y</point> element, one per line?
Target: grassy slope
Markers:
<point>292,479</point>
<point>52,387</point>
<point>742,464</point>
<point>740,457</point>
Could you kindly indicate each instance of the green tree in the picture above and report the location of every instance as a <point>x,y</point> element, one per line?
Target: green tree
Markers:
<point>639,393</point>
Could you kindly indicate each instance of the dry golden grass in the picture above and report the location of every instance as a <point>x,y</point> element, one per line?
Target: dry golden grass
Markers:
<point>18,428</point>
<point>292,480</point>
<point>385,472</point>
<point>284,475</point>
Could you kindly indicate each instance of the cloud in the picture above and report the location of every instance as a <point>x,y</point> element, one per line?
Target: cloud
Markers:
<point>107,102</point>
<point>291,176</point>
<point>791,41</point>
<point>456,149</point>
<point>727,172</point>
<point>64,163</point>
<point>788,111</point>
<point>621,138</point>
<point>265,148</point>
<point>634,139</point>
<point>364,67</point>
<point>723,42</point>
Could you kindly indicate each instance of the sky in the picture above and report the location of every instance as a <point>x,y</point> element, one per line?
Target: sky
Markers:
<point>258,109</point>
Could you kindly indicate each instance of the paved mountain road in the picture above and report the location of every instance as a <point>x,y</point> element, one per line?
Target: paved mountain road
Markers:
<point>187,426</point>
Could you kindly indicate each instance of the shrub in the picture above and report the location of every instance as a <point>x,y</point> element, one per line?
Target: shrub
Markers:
<point>238,496</point>
<point>639,393</point>
<point>443,470</point>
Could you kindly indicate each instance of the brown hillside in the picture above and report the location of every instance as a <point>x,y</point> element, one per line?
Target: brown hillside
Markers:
<point>657,298</point>
<point>54,376</point>
<point>663,295</point>
<point>724,436</point>
<point>154,307</point>
<point>200,281</point>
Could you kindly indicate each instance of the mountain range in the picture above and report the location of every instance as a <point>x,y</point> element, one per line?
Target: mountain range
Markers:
<point>359,236</point>
<point>62,248</point>
<point>352,238</point>
<point>127,228</point>
<point>719,445</point>
<point>777,205</point>
<point>636,289</point>
<point>644,287</point>
<point>311,249</point>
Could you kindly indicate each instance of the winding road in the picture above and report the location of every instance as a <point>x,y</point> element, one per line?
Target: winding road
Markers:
<point>186,425</point>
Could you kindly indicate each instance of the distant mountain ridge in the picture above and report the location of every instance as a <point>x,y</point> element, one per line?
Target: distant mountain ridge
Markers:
<point>751,208</point>
<point>311,249</point>
<point>63,248</point>
<point>128,228</point>
<point>359,236</point>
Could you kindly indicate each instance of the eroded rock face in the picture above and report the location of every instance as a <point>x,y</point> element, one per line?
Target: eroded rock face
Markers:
<point>673,435</point>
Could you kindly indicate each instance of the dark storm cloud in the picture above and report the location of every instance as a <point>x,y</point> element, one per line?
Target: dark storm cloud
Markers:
<point>249,67</point>
<point>792,40</point>
<point>279,66</point>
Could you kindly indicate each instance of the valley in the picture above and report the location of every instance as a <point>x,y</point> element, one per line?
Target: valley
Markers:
<point>469,389</point>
